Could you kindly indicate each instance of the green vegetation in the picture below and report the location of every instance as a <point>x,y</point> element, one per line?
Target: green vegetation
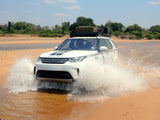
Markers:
<point>81,21</point>
<point>118,29</point>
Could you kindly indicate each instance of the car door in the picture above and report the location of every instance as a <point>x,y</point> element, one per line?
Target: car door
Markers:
<point>114,49</point>
<point>107,55</point>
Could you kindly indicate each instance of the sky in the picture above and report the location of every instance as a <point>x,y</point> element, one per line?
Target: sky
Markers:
<point>145,13</point>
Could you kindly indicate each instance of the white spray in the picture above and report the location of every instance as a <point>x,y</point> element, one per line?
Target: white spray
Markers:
<point>96,81</point>
<point>21,77</point>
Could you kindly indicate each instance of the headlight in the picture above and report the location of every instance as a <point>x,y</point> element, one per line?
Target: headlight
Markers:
<point>39,59</point>
<point>77,59</point>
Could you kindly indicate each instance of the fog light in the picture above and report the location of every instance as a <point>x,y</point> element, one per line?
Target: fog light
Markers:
<point>34,71</point>
<point>78,71</point>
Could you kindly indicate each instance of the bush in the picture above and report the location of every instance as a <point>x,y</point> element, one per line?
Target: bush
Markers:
<point>5,32</point>
<point>157,36</point>
<point>51,35</point>
<point>134,27</point>
<point>60,35</point>
<point>155,28</point>
<point>1,32</point>
<point>127,33</point>
<point>118,33</point>
<point>138,34</point>
<point>55,35</point>
<point>43,35</point>
<point>132,37</point>
<point>123,36</point>
<point>149,36</point>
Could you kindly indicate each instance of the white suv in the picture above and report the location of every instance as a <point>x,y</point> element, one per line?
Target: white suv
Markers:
<point>63,64</point>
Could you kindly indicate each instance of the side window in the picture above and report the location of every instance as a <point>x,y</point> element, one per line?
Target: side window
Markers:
<point>114,44</point>
<point>105,42</point>
<point>108,44</point>
<point>102,43</point>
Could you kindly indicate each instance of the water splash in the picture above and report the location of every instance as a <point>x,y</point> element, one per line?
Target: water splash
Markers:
<point>21,77</point>
<point>105,80</point>
<point>97,82</point>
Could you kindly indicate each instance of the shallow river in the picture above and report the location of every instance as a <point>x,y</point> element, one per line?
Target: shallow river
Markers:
<point>140,58</point>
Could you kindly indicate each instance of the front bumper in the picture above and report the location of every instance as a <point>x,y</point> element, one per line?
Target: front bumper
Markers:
<point>56,72</point>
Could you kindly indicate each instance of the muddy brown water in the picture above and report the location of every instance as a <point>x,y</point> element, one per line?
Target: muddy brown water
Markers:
<point>54,105</point>
<point>40,106</point>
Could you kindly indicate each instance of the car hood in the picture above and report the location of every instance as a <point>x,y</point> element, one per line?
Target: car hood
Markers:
<point>67,54</point>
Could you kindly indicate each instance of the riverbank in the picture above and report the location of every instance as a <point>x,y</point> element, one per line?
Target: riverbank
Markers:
<point>14,37</point>
<point>139,106</point>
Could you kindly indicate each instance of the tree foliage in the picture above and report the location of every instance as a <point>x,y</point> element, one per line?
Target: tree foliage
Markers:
<point>65,27</point>
<point>134,27</point>
<point>155,29</point>
<point>81,21</point>
<point>114,26</point>
<point>136,30</point>
<point>118,29</point>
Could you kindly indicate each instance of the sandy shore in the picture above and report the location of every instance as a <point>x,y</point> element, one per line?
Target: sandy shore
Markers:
<point>26,36</point>
<point>140,106</point>
<point>31,42</point>
<point>31,39</point>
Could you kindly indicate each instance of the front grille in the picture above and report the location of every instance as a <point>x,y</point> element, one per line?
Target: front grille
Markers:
<point>54,74</point>
<point>54,60</point>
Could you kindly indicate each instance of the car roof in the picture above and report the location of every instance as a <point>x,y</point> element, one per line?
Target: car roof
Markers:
<point>97,37</point>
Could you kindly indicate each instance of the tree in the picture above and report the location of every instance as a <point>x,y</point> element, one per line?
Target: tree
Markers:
<point>135,30</point>
<point>28,30</point>
<point>100,26</point>
<point>10,29</point>
<point>108,24</point>
<point>57,28</point>
<point>134,27</point>
<point>82,21</point>
<point>9,26</point>
<point>46,28</point>
<point>20,26</point>
<point>65,27</point>
<point>37,28</point>
<point>114,26</point>
<point>117,27</point>
<point>149,36</point>
<point>155,28</point>
<point>138,34</point>
<point>3,29</point>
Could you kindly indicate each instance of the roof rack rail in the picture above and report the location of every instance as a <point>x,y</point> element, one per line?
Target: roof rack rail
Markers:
<point>90,31</point>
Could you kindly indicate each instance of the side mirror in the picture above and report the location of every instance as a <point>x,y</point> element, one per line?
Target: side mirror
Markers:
<point>55,47</point>
<point>103,48</point>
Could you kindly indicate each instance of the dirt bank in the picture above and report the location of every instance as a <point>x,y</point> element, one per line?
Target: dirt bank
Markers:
<point>31,42</point>
<point>128,40</point>
<point>47,39</point>
<point>25,36</point>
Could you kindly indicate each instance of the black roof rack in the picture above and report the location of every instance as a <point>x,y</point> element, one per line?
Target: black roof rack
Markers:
<point>90,31</point>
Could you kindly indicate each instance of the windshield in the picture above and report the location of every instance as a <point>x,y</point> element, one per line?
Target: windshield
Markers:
<point>78,44</point>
